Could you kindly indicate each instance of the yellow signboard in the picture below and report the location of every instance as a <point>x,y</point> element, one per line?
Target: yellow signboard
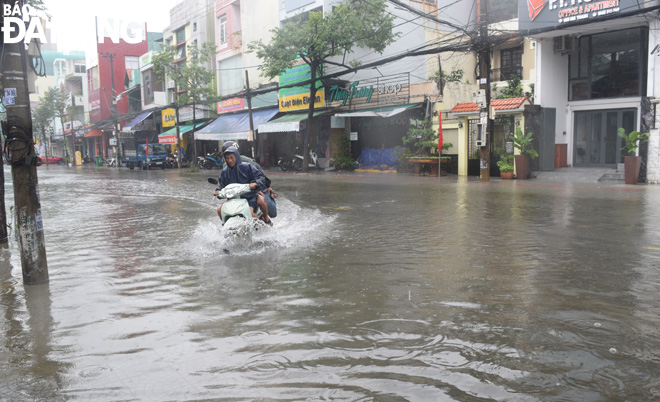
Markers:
<point>168,117</point>
<point>301,101</point>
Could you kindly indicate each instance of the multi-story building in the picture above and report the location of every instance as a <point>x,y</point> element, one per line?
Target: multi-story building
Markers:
<point>59,69</point>
<point>106,79</point>
<point>191,25</point>
<point>597,68</point>
<point>70,76</point>
<point>237,24</point>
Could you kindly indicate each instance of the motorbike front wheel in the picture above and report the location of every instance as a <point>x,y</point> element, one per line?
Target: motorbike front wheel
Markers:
<point>200,163</point>
<point>283,165</point>
<point>298,164</point>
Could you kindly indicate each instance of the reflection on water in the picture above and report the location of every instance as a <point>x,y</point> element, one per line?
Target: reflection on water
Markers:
<point>378,288</point>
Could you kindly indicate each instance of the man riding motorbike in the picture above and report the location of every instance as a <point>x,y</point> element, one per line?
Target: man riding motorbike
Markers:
<point>237,171</point>
<point>267,192</point>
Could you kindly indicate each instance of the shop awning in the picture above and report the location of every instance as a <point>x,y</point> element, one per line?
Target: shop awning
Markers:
<point>169,136</point>
<point>388,111</point>
<point>137,120</point>
<point>287,123</point>
<point>234,126</point>
<point>95,132</point>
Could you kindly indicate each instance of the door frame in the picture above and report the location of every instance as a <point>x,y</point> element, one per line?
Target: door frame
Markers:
<point>603,122</point>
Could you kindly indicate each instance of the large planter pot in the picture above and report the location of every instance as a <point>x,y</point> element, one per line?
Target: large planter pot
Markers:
<point>418,162</point>
<point>632,165</point>
<point>522,167</point>
<point>506,175</point>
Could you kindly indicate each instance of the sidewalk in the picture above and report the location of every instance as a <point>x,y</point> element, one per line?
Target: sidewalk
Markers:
<point>587,177</point>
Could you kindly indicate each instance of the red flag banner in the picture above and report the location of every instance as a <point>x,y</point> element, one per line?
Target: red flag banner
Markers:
<point>440,133</point>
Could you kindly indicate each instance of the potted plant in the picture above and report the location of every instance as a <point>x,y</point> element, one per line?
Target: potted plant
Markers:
<point>344,159</point>
<point>420,146</point>
<point>524,144</point>
<point>505,164</point>
<point>632,162</point>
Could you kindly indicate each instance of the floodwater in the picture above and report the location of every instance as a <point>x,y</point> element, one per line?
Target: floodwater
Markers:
<point>383,287</point>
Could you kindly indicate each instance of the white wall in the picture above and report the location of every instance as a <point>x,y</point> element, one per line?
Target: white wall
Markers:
<point>551,89</point>
<point>653,91</point>
<point>258,17</point>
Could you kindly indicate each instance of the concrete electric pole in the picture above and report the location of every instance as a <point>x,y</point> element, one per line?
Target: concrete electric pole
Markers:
<point>483,96</point>
<point>21,154</point>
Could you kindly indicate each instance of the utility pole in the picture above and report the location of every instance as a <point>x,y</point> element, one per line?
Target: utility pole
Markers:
<point>249,101</point>
<point>115,130</point>
<point>22,157</point>
<point>484,85</point>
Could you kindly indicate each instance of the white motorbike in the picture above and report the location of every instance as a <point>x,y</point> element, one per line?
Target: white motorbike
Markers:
<point>237,220</point>
<point>295,161</point>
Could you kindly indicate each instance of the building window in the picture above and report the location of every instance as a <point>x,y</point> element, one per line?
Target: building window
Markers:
<point>511,63</point>
<point>222,26</point>
<point>180,36</point>
<point>79,68</point>
<point>502,10</point>
<point>194,27</point>
<point>608,65</point>
<point>131,62</point>
<point>181,52</point>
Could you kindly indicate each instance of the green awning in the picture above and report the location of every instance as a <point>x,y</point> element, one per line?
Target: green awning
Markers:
<point>286,123</point>
<point>169,136</point>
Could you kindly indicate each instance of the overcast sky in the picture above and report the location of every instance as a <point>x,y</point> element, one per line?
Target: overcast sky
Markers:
<point>73,20</point>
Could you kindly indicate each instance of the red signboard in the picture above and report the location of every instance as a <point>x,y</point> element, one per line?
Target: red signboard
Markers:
<point>230,105</point>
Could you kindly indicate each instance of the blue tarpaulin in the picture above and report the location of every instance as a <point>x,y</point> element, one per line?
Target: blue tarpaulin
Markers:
<point>137,120</point>
<point>234,126</point>
<point>377,157</point>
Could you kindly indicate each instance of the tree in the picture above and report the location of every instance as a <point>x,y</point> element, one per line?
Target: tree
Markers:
<point>363,23</point>
<point>193,81</point>
<point>54,106</point>
<point>42,119</point>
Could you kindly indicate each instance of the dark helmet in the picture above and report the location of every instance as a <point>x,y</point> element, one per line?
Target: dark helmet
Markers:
<point>229,144</point>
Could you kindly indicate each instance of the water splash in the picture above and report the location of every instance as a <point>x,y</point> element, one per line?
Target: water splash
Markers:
<point>295,227</point>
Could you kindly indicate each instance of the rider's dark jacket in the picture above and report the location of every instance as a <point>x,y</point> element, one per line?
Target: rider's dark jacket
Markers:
<point>243,173</point>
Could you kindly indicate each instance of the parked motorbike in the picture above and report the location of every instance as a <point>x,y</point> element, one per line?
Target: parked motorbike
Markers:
<point>210,161</point>
<point>111,162</point>
<point>294,161</point>
<point>237,221</point>
<point>170,161</point>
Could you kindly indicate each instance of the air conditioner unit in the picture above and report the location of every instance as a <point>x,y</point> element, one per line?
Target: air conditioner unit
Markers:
<point>170,84</point>
<point>565,44</point>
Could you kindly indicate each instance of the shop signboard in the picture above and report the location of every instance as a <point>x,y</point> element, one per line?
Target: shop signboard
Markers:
<point>390,90</point>
<point>297,98</point>
<point>231,105</point>
<point>538,14</point>
<point>186,113</point>
<point>168,117</point>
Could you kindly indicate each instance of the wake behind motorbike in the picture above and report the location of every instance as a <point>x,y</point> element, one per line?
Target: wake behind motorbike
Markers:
<point>295,161</point>
<point>237,220</point>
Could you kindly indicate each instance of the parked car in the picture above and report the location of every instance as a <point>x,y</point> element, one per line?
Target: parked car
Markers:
<point>52,159</point>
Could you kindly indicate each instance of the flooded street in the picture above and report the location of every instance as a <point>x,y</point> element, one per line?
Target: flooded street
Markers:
<point>384,287</point>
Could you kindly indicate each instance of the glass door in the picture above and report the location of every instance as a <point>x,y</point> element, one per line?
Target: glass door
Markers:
<point>595,136</point>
